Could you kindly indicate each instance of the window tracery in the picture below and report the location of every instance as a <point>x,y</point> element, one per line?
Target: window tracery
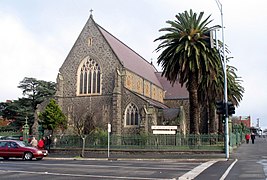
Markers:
<point>89,81</point>
<point>131,115</point>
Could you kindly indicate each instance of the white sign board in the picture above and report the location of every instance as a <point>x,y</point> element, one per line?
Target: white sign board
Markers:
<point>163,132</point>
<point>109,128</point>
<point>164,127</point>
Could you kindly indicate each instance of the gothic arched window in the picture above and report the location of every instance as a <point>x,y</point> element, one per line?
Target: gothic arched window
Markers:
<point>131,115</point>
<point>89,77</point>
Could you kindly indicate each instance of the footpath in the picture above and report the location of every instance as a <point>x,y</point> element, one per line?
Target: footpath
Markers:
<point>140,155</point>
<point>135,155</point>
<point>247,162</point>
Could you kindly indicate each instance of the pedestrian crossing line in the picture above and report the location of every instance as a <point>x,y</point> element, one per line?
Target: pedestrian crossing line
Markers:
<point>228,170</point>
<point>196,171</point>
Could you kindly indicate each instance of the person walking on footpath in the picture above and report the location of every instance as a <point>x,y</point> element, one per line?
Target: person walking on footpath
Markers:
<point>247,137</point>
<point>34,142</point>
<point>252,138</point>
<point>48,142</point>
<point>41,143</point>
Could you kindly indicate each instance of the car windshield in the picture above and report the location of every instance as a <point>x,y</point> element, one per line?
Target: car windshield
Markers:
<point>21,144</point>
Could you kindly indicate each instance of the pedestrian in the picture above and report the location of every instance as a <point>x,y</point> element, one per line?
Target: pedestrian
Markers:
<point>41,143</point>
<point>34,142</point>
<point>252,138</point>
<point>48,142</point>
<point>247,137</point>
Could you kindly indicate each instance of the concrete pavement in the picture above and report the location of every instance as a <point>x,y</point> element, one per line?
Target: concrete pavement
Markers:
<point>200,156</point>
<point>248,162</point>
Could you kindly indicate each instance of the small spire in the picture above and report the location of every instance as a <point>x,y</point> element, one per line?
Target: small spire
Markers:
<point>91,12</point>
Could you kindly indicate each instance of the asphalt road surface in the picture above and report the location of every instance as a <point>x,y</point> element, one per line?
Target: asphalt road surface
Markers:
<point>248,162</point>
<point>98,169</point>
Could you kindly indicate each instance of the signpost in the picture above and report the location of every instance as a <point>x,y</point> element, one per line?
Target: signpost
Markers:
<point>109,131</point>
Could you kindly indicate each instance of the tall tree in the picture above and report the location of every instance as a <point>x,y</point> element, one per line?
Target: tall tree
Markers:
<point>37,90</point>
<point>188,57</point>
<point>212,90</point>
<point>17,111</point>
<point>234,87</point>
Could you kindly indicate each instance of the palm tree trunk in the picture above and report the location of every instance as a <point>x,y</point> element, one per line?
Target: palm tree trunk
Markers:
<point>212,120</point>
<point>203,120</point>
<point>194,107</point>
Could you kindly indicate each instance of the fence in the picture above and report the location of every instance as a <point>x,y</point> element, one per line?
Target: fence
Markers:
<point>236,139</point>
<point>205,142</point>
<point>141,142</point>
<point>11,134</point>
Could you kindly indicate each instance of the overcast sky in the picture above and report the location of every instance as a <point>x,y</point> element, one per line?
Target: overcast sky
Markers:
<point>36,36</point>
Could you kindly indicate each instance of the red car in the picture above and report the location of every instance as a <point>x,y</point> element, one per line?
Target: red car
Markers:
<point>18,149</point>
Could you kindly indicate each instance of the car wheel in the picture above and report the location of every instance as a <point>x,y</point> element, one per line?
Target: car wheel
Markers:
<point>6,158</point>
<point>39,159</point>
<point>28,156</point>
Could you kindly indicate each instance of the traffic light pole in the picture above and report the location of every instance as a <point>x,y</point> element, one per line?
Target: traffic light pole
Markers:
<point>226,128</point>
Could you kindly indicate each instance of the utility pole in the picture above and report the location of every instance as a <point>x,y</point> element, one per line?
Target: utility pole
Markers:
<point>226,130</point>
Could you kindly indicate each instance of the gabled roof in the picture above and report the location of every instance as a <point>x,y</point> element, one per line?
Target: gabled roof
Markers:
<point>137,64</point>
<point>151,101</point>
<point>130,59</point>
<point>175,91</point>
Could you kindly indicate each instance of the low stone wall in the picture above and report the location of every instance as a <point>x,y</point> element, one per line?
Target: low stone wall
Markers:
<point>132,153</point>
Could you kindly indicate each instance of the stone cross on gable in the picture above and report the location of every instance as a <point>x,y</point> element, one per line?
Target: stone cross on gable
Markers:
<point>91,11</point>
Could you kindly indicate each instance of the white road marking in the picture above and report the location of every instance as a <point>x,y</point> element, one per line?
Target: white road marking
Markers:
<point>263,162</point>
<point>228,170</point>
<point>196,171</point>
<point>126,166</point>
<point>80,175</point>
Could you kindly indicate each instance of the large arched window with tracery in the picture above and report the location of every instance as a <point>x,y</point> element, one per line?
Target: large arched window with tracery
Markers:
<point>89,77</point>
<point>131,115</point>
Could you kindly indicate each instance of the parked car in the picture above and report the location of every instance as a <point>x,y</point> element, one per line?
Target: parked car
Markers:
<point>15,138</point>
<point>29,138</point>
<point>10,138</point>
<point>18,149</point>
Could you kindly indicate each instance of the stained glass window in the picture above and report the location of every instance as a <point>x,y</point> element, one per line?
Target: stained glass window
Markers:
<point>89,77</point>
<point>131,115</point>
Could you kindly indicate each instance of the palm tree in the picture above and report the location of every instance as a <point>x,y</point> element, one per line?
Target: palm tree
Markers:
<point>187,56</point>
<point>235,89</point>
<point>212,90</point>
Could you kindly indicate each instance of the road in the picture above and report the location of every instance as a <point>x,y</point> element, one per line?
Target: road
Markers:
<point>248,162</point>
<point>95,169</point>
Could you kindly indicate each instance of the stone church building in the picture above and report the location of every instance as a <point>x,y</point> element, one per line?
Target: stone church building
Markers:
<point>103,81</point>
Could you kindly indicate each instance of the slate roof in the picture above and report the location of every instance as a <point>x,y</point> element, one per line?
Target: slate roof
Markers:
<point>174,91</point>
<point>130,59</point>
<point>137,64</point>
<point>171,113</point>
<point>151,101</point>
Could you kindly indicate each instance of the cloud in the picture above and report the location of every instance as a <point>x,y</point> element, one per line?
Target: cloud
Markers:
<point>36,37</point>
<point>21,55</point>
